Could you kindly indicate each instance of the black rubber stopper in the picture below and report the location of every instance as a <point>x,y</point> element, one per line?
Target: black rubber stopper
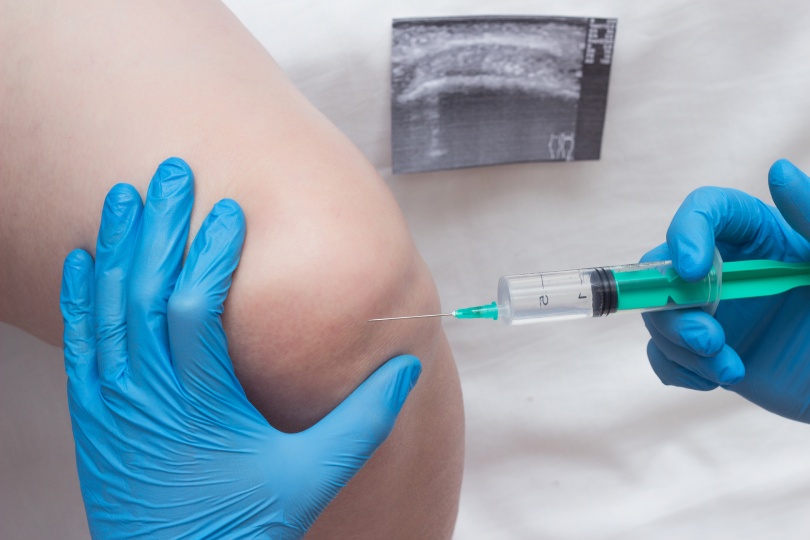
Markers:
<point>604,291</point>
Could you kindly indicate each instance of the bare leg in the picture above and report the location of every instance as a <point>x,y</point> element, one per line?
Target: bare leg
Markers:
<point>93,93</point>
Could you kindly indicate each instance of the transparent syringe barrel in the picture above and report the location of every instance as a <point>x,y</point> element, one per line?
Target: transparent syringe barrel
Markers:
<point>596,292</point>
<point>566,294</point>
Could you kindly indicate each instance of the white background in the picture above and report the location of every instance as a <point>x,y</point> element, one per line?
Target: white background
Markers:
<point>569,433</point>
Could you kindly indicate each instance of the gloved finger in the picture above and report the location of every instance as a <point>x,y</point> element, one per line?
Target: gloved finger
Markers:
<point>673,374</point>
<point>692,329</point>
<point>198,343</point>
<point>347,437</point>
<point>790,189</point>
<point>76,303</point>
<point>156,264</point>
<point>724,368</point>
<point>116,240</point>
<point>711,213</point>
<point>656,254</point>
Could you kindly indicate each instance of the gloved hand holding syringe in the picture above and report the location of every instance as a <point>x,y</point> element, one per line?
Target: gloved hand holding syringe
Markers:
<point>652,286</point>
<point>756,344</point>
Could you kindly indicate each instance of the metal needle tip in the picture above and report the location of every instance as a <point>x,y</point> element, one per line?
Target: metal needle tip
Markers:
<point>412,317</point>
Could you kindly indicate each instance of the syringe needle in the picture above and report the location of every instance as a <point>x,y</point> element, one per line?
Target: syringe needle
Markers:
<point>488,311</point>
<point>412,317</point>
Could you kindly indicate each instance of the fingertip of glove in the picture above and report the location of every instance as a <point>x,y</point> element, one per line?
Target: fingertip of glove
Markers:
<point>732,373</point>
<point>228,212</point>
<point>410,369</point>
<point>225,223</point>
<point>783,173</point>
<point>175,164</point>
<point>121,198</point>
<point>415,372</point>
<point>171,177</point>
<point>77,261</point>
<point>121,208</point>
<point>690,263</point>
<point>689,256</point>
<point>75,297</point>
<point>701,333</point>
<point>226,207</point>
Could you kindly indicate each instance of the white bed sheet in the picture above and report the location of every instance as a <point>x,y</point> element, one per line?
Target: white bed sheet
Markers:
<point>569,433</point>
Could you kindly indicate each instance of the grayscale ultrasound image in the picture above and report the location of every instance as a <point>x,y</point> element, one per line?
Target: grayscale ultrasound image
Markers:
<point>488,90</point>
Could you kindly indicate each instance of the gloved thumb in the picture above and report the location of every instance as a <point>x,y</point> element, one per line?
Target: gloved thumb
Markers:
<point>790,190</point>
<point>349,435</point>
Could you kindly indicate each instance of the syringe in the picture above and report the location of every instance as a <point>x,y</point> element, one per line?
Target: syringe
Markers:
<point>597,292</point>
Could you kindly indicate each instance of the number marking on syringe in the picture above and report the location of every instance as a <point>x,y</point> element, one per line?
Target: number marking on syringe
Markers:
<point>543,297</point>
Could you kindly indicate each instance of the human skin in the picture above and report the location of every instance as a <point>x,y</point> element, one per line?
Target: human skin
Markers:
<point>94,93</point>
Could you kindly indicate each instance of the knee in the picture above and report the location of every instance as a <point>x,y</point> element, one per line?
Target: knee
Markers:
<point>298,311</point>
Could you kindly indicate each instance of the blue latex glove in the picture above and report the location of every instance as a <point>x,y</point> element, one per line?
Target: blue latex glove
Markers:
<point>167,444</point>
<point>757,347</point>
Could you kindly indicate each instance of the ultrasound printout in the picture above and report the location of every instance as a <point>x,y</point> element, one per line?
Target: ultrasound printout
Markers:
<point>472,91</point>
